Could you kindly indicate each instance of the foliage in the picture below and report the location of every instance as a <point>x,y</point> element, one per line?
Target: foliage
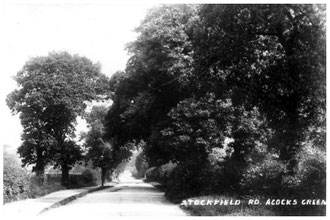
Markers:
<point>270,178</point>
<point>19,183</point>
<point>160,174</point>
<point>102,153</point>
<point>310,176</point>
<point>71,153</point>
<point>37,190</point>
<point>15,179</point>
<point>264,178</point>
<point>99,152</point>
<point>232,94</point>
<point>199,135</point>
<point>196,127</point>
<point>52,93</point>
<point>144,95</point>
<point>87,178</point>
<point>269,56</point>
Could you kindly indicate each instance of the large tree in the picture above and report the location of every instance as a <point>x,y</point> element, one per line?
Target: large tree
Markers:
<point>268,56</point>
<point>52,91</point>
<point>156,76</point>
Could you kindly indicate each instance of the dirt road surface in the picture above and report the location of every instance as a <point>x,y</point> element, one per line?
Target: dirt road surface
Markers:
<point>131,197</point>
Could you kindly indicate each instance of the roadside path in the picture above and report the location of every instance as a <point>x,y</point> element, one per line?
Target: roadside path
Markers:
<point>32,207</point>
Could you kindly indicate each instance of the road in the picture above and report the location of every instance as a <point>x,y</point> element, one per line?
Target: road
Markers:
<point>131,197</point>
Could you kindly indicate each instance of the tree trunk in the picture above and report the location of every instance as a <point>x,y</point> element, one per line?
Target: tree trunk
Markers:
<point>292,136</point>
<point>40,167</point>
<point>65,175</point>
<point>103,173</point>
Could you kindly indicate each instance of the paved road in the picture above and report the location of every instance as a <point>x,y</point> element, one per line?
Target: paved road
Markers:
<point>130,197</point>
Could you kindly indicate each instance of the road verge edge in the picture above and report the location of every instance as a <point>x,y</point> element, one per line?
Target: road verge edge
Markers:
<point>71,198</point>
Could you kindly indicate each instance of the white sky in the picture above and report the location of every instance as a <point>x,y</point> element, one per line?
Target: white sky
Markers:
<point>98,31</point>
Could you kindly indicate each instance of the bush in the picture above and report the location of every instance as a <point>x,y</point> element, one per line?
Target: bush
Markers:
<point>165,171</point>
<point>151,175</point>
<point>264,178</point>
<point>271,179</point>
<point>15,179</point>
<point>19,183</point>
<point>86,178</point>
<point>187,180</point>
<point>308,182</point>
<point>161,174</point>
<point>311,173</point>
<point>36,190</point>
<point>182,181</point>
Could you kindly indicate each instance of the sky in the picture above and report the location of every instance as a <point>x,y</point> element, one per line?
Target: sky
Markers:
<point>98,31</point>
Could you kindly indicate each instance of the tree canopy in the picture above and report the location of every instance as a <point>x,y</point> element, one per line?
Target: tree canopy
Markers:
<point>52,92</point>
<point>224,86</point>
<point>102,152</point>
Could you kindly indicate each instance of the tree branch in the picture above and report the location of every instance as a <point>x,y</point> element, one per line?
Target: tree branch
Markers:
<point>267,33</point>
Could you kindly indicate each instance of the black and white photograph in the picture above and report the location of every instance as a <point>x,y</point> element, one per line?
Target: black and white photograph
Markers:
<point>162,108</point>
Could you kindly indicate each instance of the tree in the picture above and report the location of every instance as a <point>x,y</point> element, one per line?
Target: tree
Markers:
<point>98,151</point>
<point>268,56</point>
<point>36,144</point>
<point>156,76</point>
<point>36,149</point>
<point>102,152</point>
<point>197,126</point>
<point>52,93</point>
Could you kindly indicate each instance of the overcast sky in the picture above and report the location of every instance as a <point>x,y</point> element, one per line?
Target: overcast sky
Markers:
<point>97,31</point>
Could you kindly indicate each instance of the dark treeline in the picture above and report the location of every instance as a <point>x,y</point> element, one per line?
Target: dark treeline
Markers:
<point>228,99</point>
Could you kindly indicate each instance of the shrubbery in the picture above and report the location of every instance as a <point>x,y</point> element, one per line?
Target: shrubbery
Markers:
<point>161,174</point>
<point>19,183</point>
<point>270,177</point>
<point>311,173</point>
<point>87,178</point>
<point>50,185</point>
<point>181,181</point>
<point>15,179</point>
<point>265,177</point>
